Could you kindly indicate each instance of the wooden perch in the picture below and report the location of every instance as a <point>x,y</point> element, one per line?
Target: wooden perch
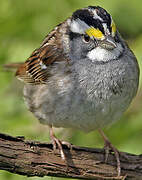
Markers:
<point>32,158</point>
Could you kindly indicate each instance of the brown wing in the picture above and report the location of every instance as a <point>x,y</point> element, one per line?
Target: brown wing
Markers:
<point>36,69</point>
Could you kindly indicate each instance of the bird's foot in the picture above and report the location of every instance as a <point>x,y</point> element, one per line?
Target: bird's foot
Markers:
<point>59,144</point>
<point>109,147</point>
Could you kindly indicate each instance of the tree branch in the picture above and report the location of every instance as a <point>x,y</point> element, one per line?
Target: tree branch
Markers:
<point>32,158</point>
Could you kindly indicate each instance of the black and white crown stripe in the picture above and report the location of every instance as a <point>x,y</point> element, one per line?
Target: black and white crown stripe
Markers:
<point>95,17</point>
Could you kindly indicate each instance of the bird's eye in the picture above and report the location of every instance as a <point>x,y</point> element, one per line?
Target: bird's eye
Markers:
<point>86,38</point>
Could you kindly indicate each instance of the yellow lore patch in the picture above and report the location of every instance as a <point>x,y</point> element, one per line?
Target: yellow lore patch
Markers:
<point>113,26</point>
<point>92,32</point>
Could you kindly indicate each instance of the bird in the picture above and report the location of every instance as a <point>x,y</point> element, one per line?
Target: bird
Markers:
<point>83,76</point>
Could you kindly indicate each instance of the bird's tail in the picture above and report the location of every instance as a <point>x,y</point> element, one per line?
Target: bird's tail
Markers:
<point>12,66</point>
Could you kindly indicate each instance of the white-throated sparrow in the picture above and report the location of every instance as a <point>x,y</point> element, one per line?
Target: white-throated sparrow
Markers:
<point>83,76</point>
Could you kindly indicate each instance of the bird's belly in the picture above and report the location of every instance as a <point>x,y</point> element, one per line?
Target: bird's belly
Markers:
<point>74,110</point>
<point>88,116</point>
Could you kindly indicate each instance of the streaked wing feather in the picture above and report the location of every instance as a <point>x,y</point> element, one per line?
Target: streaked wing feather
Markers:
<point>36,70</point>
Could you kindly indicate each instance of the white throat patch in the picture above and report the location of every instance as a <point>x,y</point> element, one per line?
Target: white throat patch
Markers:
<point>100,54</point>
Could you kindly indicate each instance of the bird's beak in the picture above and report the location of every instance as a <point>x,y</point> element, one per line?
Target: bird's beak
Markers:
<point>108,43</point>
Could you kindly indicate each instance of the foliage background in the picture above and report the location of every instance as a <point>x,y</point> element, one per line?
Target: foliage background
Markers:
<point>23,25</point>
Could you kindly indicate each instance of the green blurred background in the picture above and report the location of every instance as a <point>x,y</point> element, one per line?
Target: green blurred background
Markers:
<point>23,25</point>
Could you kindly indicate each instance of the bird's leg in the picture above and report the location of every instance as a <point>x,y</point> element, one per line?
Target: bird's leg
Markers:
<point>108,146</point>
<point>57,143</point>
